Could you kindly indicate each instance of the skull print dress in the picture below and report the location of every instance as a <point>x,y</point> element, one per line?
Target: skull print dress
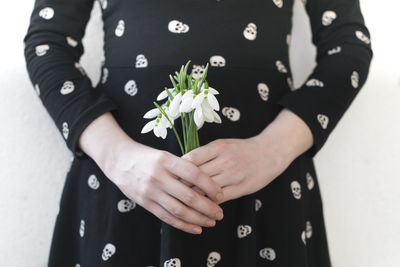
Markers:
<point>246,44</point>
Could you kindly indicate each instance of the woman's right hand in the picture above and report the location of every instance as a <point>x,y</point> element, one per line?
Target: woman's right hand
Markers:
<point>150,176</point>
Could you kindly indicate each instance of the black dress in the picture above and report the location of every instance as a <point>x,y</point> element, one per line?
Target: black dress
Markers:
<point>246,43</point>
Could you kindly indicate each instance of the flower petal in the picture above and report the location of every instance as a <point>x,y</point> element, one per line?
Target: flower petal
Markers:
<point>174,106</point>
<point>149,126</point>
<point>198,100</point>
<point>156,131</point>
<point>162,130</point>
<point>152,113</point>
<point>207,112</point>
<point>198,116</point>
<point>212,100</point>
<point>213,91</point>
<point>217,118</point>
<point>186,105</point>
<point>164,94</point>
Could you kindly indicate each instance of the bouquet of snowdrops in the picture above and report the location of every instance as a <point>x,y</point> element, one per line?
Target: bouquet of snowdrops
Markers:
<point>193,101</point>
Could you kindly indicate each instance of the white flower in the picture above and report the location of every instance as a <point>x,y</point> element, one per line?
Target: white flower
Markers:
<point>164,94</point>
<point>158,126</point>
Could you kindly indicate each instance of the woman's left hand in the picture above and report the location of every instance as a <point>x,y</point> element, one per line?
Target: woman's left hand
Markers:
<point>239,166</point>
<point>244,166</point>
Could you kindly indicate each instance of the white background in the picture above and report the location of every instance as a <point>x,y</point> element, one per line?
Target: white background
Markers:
<point>358,168</point>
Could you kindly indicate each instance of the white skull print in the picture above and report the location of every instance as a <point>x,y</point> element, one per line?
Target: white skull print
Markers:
<point>217,61</point>
<point>197,71</point>
<point>141,61</point>
<point>231,113</point>
<point>323,120</point>
<point>335,50</point>
<point>355,79</point>
<point>308,229</point>
<point>108,251</point>
<point>125,205</point>
<point>82,228</point>
<point>67,87</point>
<point>71,41</point>
<point>131,88</point>
<point>250,32</point>
<point>328,17</point>
<point>360,35</point>
<point>258,204</point>
<point>243,230</point>
<point>263,91</point>
<point>65,129</point>
<point>105,75</point>
<point>268,253</point>
<point>280,66</point>
<point>310,181</point>
<point>46,13</point>
<point>213,258</point>
<point>177,26</point>
<point>278,3</point>
<point>120,29</point>
<point>37,89</point>
<point>296,189</point>
<point>93,182</point>
<point>41,50</point>
<point>174,262</point>
<point>315,82</point>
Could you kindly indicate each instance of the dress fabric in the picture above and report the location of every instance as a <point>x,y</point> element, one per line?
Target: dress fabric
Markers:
<point>246,43</point>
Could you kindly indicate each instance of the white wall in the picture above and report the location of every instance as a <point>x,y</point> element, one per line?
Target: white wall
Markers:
<point>357,168</point>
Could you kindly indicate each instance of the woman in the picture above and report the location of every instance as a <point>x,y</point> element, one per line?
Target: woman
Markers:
<point>129,198</point>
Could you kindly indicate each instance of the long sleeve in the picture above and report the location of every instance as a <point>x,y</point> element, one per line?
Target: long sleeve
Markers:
<point>52,49</point>
<point>343,58</point>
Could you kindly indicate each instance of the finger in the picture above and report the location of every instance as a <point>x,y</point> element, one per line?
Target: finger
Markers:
<point>161,213</point>
<point>202,154</point>
<point>198,190</point>
<point>232,192</point>
<point>212,167</point>
<point>183,212</point>
<point>191,173</point>
<point>190,197</point>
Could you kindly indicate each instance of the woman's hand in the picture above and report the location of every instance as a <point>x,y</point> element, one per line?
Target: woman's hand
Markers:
<point>244,166</point>
<point>149,176</point>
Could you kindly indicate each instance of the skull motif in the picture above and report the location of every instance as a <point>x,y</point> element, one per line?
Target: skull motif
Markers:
<point>290,83</point>
<point>231,113</point>
<point>108,251</point>
<point>46,13</point>
<point>278,3</point>
<point>335,50</point>
<point>217,61</point>
<point>103,4</point>
<point>243,230</point>
<point>310,181</point>
<point>174,262</point>
<point>105,75</point>
<point>77,265</point>
<point>308,229</point>
<point>93,182</point>
<point>141,61</point>
<point>176,26</point>
<point>263,91</point>
<point>355,78</point>
<point>131,88</point>
<point>79,67</point>
<point>268,253</point>
<point>41,50</point>
<point>315,82</point>
<point>280,66</point>
<point>258,204</point>
<point>323,120</point>
<point>67,87</point>
<point>65,129</point>
<point>120,29</point>
<point>125,205</point>
<point>328,17</point>
<point>213,258</point>
<point>197,71</point>
<point>296,189</point>
<point>360,35</point>
<point>250,32</point>
<point>37,89</point>
<point>72,42</point>
<point>82,228</point>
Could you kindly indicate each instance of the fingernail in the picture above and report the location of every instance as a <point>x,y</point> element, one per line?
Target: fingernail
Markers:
<point>210,223</point>
<point>219,215</point>
<point>197,230</point>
